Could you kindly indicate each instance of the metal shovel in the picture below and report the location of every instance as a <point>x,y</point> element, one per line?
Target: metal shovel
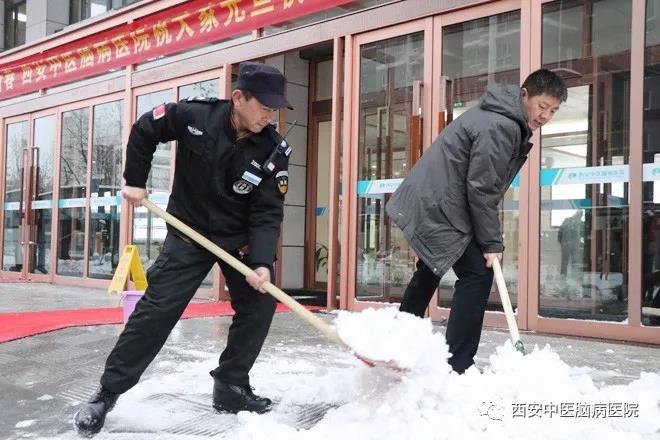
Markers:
<point>282,297</point>
<point>506,304</point>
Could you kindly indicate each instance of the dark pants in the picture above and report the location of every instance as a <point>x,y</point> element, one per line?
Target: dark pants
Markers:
<point>467,307</point>
<point>173,280</point>
<point>568,253</point>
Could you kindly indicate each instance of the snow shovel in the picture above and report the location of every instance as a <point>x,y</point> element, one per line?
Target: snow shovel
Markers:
<point>506,304</point>
<point>279,295</point>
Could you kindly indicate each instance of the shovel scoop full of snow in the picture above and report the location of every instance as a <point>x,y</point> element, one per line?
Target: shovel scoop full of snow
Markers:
<point>392,339</point>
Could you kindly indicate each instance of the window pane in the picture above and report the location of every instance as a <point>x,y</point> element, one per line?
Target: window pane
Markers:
<point>584,157</point>
<point>73,192</point>
<point>12,251</point>
<point>148,230</point>
<point>474,54</point>
<point>15,21</point>
<point>44,141</point>
<point>83,9</point>
<point>323,80</point>
<point>207,89</point>
<point>105,200</point>
<point>651,157</point>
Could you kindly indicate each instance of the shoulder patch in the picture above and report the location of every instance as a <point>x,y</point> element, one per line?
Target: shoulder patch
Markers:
<point>282,180</point>
<point>158,112</point>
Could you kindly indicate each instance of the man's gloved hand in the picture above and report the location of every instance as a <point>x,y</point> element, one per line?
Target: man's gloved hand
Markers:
<point>258,277</point>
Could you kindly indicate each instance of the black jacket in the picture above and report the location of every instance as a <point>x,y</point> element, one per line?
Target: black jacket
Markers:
<point>220,188</point>
<point>452,193</point>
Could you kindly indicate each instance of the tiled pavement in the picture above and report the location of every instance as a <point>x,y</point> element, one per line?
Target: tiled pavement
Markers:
<point>44,377</point>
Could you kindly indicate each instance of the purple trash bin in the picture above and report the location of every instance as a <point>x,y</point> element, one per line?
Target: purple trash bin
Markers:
<point>128,300</point>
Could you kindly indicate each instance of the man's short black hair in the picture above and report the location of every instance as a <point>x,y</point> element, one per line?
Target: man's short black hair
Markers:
<point>247,95</point>
<point>546,81</point>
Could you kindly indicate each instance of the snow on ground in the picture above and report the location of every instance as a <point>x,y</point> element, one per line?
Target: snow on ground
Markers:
<point>515,397</point>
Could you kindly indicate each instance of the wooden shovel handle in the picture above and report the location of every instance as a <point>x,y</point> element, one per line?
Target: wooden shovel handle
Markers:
<point>506,301</point>
<point>216,250</point>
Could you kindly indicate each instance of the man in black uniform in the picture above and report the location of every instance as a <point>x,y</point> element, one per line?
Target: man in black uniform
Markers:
<point>229,184</point>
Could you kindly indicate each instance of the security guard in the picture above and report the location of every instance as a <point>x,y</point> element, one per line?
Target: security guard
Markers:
<point>229,184</point>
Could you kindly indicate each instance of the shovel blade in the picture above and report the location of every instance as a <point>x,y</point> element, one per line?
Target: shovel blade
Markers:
<point>390,365</point>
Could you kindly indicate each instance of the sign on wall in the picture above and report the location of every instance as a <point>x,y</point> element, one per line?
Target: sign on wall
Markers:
<point>172,30</point>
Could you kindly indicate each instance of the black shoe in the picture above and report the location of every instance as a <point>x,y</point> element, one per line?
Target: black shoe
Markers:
<point>90,418</point>
<point>234,398</point>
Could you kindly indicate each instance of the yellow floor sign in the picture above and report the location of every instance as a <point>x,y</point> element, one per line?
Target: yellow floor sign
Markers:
<point>129,265</point>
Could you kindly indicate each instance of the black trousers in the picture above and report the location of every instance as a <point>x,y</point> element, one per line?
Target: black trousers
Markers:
<point>467,307</point>
<point>173,280</point>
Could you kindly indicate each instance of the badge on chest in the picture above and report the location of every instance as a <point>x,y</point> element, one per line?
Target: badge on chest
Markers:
<point>246,183</point>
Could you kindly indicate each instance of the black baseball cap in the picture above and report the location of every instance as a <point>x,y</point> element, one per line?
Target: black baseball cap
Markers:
<point>264,82</point>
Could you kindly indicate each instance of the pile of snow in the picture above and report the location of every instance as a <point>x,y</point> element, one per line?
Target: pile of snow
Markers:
<point>536,396</point>
<point>394,337</point>
<point>516,397</point>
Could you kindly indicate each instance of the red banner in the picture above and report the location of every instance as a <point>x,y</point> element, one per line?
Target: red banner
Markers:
<point>190,24</point>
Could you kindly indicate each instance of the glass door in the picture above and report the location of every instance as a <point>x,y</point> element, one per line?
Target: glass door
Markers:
<point>28,198</point>
<point>387,133</point>
<point>585,152</point>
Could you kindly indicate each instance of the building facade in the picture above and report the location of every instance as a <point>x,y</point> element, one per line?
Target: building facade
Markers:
<point>373,83</point>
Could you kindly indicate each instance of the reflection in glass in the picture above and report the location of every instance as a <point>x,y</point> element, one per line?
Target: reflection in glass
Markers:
<point>148,230</point>
<point>651,158</point>
<point>475,54</point>
<point>73,190</point>
<point>15,141</point>
<point>71,242</point>
<point>103,247</point>
<point>480,52</point>
<point>207,89</point>
<point>584,157</point>
<point>387,71</point>
<point>41,215</point>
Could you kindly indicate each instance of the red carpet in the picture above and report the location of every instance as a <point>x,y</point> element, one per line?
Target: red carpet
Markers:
<point>23,324</point>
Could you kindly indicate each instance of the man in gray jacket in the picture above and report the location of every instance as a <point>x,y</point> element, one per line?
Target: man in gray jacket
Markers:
<point>447,207</point>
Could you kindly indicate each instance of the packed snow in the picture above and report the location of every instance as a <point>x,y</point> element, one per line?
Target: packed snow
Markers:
<point>515,396</point>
